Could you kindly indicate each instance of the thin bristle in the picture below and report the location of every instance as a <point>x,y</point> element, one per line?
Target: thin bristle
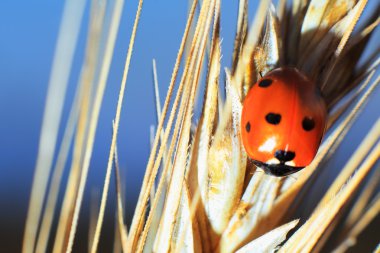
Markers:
<point>249,45</point>
<point>64,53</point>
<point>179,165</point>
<point>363,200</point>
<point>120,210</point>
<point>354,161</point>
<point>87,83</point>
<point>84,86</point>
<point>137,225</point>
<point>241,32</point>
<point>350,239</point>
<point>94,212</point>
<point>60,241</point>
<point>115,130</point>
<point>47,218</point>
<point>352,19</point>
<point>197,176</point>
<point>158,112</point>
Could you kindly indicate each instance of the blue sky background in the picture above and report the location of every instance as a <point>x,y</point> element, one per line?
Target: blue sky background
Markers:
<point>28,32</point>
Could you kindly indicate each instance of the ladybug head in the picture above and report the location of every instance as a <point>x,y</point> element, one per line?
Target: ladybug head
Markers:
<point>283,121</point>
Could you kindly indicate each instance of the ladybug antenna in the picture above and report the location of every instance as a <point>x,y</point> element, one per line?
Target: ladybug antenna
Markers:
<point>261,74</point>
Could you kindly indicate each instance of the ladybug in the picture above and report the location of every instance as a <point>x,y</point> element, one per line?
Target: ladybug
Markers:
<point>283,121</point>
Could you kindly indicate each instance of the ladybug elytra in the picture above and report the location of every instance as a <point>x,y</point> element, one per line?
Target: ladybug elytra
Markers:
<point>283,121</point>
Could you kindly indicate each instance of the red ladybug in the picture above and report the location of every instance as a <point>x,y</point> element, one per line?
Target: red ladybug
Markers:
<point>283,121</point>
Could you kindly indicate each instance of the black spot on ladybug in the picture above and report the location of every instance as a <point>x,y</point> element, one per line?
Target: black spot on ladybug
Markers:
<point>265,83</point>
<point>284,156</point>
<point>273,118</point>
<point>248,127</point>
<point>308,124</point>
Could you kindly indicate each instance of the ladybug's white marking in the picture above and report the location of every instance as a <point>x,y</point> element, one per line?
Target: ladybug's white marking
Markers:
<point>290,163</point>
<point>273,161</point>
<point>268,145</point>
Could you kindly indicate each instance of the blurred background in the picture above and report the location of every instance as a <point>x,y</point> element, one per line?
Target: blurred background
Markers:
<point>28,33</point>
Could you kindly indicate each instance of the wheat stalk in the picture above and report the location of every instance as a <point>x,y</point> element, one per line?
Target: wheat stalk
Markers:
<point>209,196</point>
